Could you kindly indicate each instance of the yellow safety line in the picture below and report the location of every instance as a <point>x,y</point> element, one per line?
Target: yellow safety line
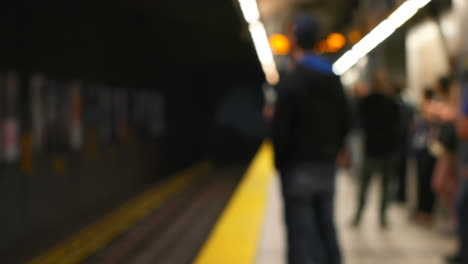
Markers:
<point>96,236</point>
<point>235,237</point>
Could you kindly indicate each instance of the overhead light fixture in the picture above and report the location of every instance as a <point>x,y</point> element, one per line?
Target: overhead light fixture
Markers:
<point>250,10</point>
<point>264,53</point>
<point>280,44</point>
<point>335,42</point>
<point>260,39</point>
<point>262,46</point>
<point>381,32</point>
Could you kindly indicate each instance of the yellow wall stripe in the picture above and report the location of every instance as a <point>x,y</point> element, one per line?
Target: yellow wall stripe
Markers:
<point>235,237</point>
<point>96,236</point>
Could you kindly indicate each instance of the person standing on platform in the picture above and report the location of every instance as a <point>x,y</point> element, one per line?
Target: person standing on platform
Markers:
<point>308,131</point>
<point>406,123</point>
<point>425,160</point>
<point>461,257</point>
<point>379,116</point>
<point>443,112</point>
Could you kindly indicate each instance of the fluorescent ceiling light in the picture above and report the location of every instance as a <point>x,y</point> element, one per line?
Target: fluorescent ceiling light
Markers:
<point>260,39</point>
<point>250,10</point>
<point>264,53</point>
<point>422,3</point>
<point>345,62</point>
<point>403,14</point>
<point>381,32</point>
<point>371,40</point>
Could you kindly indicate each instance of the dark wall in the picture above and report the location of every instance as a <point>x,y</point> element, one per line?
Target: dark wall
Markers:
<point>188,53</point>
<point>120,42</point>
<point>54,188</point>
<point>196,99</point>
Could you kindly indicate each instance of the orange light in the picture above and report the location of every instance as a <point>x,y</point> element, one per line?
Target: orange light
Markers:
<point>321,47</point>
<point>354,36</point>
<point>280,44</point>
<point>335,42</point>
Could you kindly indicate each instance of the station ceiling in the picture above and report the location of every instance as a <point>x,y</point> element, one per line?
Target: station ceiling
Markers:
<point>129,40</point>
<point>334,15</point>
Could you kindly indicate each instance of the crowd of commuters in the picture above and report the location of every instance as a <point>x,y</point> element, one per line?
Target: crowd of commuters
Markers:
<point>310,123</point>
<point>395,133</point>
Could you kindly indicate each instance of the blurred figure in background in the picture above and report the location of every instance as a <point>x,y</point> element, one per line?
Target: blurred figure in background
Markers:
<point>309,128</point>
<point>462,193</point>
<point>360,90</point>
<point>405,126</point>
<point>355,139</point>
<point>443,113</point>
<point>425,161</point>
<point>269,94</point>
<point>379,117</point>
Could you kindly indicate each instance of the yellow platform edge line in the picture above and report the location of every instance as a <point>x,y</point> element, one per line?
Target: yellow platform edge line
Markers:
<point>98,234</point>
<point>235,237</point>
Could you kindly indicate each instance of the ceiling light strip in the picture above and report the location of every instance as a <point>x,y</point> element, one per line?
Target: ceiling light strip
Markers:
<point>260,39</point>
<point>381,32</point>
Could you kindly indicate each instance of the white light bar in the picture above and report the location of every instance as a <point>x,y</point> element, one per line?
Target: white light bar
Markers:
<point>250,10</point>
<point>381,32</point>
<point>260,38</point>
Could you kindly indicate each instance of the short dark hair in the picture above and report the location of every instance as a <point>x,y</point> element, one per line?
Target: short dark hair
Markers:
<point>428,93</point>
<point>306,31</point>
<point>445,84</point>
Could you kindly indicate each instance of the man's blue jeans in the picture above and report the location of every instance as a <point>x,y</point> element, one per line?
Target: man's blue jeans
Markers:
<point>309,214</point>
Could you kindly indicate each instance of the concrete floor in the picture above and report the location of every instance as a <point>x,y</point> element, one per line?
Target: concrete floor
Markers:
<point>402,243</point>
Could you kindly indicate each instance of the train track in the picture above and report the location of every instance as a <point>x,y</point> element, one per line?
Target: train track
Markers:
<point>175,232</point>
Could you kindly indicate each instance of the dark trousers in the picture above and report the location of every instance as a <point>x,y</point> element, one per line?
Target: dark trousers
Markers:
<point>462,215</point>
<point>385,166</point>
<point>311,230</point>
<point>426,197</point>
<point>401,177</point>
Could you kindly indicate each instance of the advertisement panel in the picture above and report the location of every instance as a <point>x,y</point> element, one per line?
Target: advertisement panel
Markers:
<point>37,90</point>
<point>76,127</point>
<point>11,126</point>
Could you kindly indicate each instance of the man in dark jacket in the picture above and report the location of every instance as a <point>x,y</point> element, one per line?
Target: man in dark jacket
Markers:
<point>309,129</point>
<point>379,115</point>
<point>404,128</point>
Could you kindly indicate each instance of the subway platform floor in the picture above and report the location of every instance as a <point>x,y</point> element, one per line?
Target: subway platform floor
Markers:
<point>403,242</point>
